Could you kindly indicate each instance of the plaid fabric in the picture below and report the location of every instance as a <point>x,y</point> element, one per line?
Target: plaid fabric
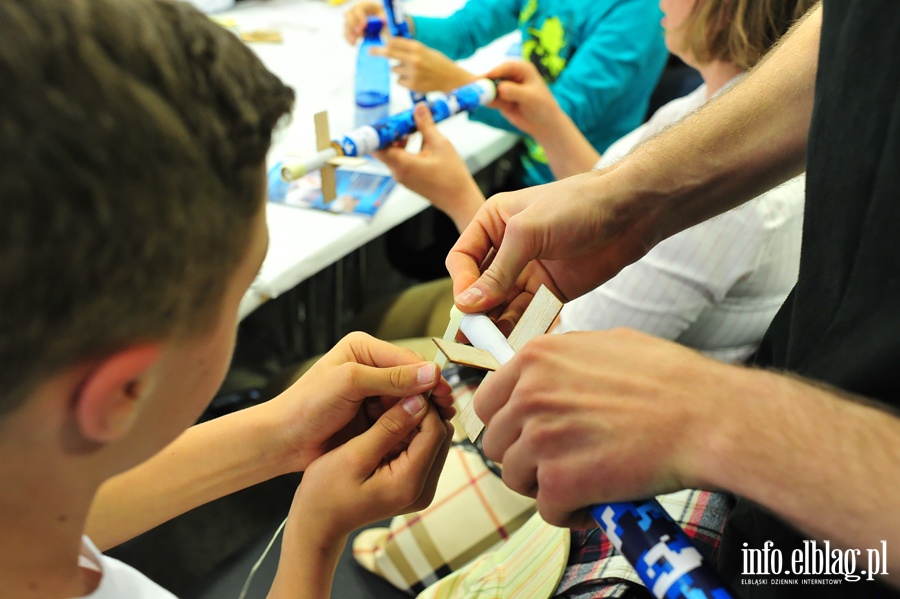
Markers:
<point>597,570</point>
<point>528,566</point>
<point>472,512</point>
<point>459,538</point>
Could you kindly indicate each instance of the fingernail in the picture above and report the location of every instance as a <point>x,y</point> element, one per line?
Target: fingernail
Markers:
<point>470,296</point>
<point>413,405</point>
<point>425,374</point>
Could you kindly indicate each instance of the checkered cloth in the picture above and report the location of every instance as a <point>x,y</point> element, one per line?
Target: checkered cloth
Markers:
<point>475,539</point>
<point>533,562</point>
<point>527,566</point>
<point>473,511</point>
<point>596,570</point>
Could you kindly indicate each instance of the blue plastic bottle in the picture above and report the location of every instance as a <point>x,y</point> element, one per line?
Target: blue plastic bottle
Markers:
<point>373,78</point>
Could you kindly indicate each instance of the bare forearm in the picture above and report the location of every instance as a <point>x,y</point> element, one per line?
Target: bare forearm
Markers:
<point>744,142</point>
<point>818,459</point>
<point>460,202</point>
<point>206,462</point>
<point>306,567</point>
<point>567,150</point>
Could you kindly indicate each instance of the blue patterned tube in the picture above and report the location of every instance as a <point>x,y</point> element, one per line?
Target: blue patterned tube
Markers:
<point>380,134</point>
<point>659,550</point>
<point>383,132</point>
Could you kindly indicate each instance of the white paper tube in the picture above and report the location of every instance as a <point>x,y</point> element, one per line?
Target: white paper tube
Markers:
<point>484,334</point>
<point>292,171</point>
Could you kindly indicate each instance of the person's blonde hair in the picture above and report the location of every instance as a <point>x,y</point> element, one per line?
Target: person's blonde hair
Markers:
<point>739,31</point>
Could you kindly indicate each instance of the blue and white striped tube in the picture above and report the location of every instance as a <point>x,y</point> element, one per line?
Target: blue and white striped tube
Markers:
<point>383,132</point>
<point>657,548</point>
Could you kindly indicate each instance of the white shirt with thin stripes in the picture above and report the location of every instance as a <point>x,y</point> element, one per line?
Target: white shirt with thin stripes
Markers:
<point>714,287</point>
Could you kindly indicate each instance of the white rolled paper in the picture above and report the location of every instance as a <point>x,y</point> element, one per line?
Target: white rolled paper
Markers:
<point>484,334</point>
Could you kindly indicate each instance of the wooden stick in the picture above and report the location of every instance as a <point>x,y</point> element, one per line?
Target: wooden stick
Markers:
<point>536,320</point>
<point>323,142</point>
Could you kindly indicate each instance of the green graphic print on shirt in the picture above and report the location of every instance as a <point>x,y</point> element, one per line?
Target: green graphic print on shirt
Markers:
<point>543,48</point>
<point>601,57</point>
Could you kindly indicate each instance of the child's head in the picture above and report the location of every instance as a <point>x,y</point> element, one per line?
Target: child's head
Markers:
<point>735,31</point>
<point>133,137</point>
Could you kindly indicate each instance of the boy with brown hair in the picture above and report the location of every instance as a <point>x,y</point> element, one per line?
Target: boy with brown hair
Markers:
<point>133,138</point>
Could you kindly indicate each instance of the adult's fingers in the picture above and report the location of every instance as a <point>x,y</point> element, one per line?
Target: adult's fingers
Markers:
<point>520,469</point>
<point>561,493</point>
<point>491,287</point>
<point>507,315</point>
<point>475,245</point>
<point>528,473</point>
<point>502,426</point>
<point>556,516</point>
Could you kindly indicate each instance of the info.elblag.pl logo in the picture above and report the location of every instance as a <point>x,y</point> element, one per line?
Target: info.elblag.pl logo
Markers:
<point>817,562</point>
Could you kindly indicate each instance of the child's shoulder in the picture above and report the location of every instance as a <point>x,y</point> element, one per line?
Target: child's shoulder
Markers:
<point>117,579</point>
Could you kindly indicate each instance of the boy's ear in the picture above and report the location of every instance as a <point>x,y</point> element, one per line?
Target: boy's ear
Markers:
<point>108,401</point>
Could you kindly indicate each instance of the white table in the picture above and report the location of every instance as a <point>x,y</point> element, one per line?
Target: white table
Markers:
<point>315,60</point>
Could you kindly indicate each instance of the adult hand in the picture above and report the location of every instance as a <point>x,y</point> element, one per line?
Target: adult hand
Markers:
<point>347,390</point>
<point>378,473</point>
<point>356,16</point>
<point>570,235</point>
<point>423,69</point>
<point>524,98</point>
<point>585,418</point>
<point>437,172</point>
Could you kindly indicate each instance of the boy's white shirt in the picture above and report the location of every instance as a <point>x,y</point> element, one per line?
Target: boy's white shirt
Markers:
<point>118,580</point>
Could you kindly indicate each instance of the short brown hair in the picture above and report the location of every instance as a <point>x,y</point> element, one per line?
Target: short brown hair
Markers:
<point>740,31</point>
<point>132,141</point>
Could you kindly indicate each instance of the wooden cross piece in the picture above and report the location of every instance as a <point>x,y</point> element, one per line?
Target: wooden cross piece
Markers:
<point>536,320</point>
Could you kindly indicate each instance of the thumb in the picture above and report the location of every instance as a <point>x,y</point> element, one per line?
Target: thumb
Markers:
<point>492,286</point>
<point>425,124</point>
<point>392,428</point>
<point>495,283</point>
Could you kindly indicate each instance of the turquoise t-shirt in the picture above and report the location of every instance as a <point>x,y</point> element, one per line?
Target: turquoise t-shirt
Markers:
<point>601,58</point>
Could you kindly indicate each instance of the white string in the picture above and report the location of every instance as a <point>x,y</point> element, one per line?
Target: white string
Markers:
<point>260,560</point>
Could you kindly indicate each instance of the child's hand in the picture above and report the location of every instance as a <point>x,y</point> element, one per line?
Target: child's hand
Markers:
<point>345,392</point>
<point>390,469</point>
<point>356,16</point>
<point>437,172</point>
<point>524,98</point>
<point>423,69</point>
